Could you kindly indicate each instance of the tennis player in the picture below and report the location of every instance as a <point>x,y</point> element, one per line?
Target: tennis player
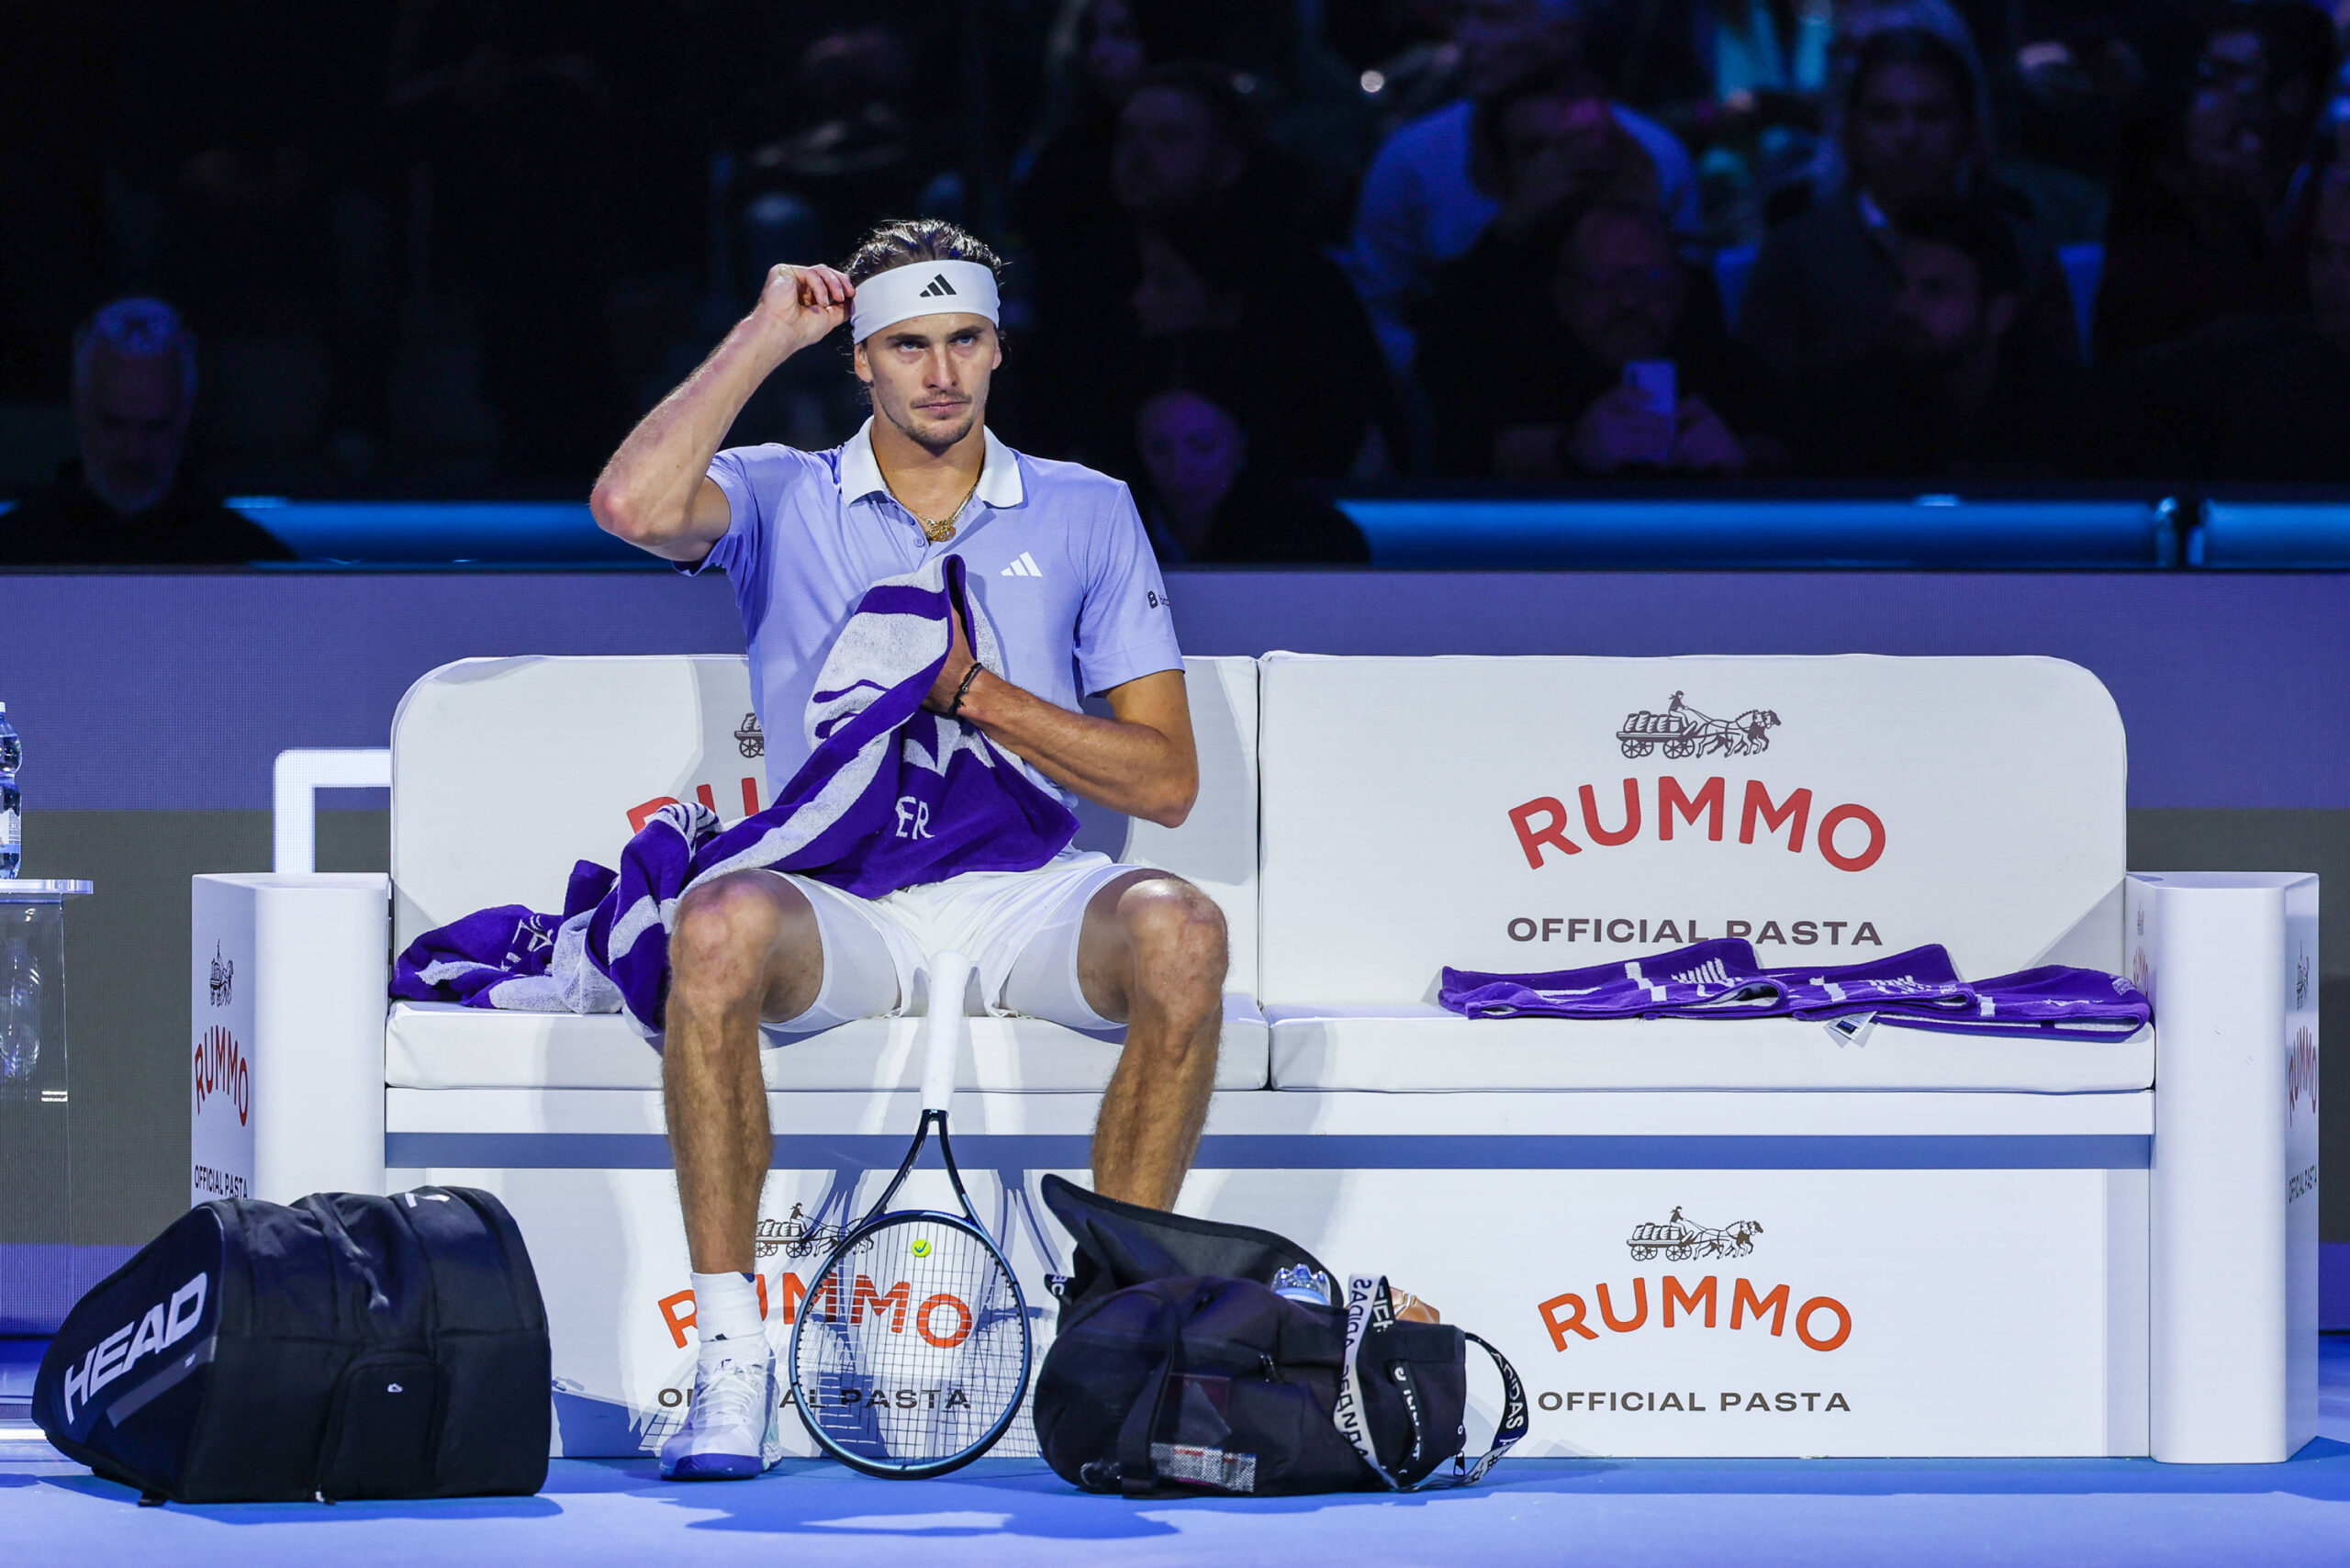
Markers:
<point>1058,555</point>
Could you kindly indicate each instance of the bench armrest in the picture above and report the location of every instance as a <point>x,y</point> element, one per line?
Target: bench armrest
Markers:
<point>288,976</point>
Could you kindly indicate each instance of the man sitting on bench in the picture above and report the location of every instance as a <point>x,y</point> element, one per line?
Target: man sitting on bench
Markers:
<point>1068,579</point>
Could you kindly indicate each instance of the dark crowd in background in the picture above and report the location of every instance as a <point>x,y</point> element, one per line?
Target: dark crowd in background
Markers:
<point>1260,252</point>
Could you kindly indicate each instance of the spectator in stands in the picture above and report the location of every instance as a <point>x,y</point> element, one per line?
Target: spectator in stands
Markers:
<point>1740,82</point>
<point>1185,144</point>
<point>1820,296</point>
<point>1433,188</point>
<point>1957,389</point>
<point>1208,504</point>
<point>1279,325</point>
<point>1194,272</point>
<point>2203,201</point>
<point>2251,398</point>
<point>1065,186</point>
<point>1540,390</point>
<point>508,109</point>
<point>125,501</point>
<point>848,141</point>
<point>1557,150</point>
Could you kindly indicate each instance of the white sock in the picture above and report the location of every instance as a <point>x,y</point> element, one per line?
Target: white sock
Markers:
<point>726,1306</point>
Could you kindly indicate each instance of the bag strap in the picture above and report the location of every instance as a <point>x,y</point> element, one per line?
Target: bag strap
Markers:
<point>1369,1307</point>
<point>1137,1474</point>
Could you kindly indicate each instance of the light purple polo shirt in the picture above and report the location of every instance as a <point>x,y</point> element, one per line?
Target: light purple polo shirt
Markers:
<point>1056,552</point>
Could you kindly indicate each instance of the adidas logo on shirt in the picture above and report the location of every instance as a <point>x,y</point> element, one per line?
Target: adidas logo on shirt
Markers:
<point>938,285</point>
<point>1025,566</point>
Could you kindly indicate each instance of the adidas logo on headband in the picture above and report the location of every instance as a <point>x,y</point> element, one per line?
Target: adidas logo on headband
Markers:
<point>925,289</point>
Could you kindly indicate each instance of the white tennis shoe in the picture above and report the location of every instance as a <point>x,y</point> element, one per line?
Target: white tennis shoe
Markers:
<point>733,1429</point>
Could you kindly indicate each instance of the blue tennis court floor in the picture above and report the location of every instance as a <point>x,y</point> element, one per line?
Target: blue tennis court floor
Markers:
<point>1621,1513</point>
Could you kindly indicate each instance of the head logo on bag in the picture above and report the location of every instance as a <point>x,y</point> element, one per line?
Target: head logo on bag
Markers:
<point>155,1331</point>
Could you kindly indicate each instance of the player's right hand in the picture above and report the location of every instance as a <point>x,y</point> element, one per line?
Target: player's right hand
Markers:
<point>805,303</point>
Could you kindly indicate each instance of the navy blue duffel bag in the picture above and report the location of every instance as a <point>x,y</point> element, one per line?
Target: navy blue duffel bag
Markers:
<point>345,1346</point>
<point>1182,1365</point>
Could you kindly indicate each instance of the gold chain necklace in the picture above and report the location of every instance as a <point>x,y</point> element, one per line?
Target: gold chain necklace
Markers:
<point>942,530</point>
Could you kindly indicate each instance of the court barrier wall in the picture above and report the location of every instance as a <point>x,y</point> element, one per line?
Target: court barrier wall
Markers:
<point>1734,1237</point>
<point>1445,527</point>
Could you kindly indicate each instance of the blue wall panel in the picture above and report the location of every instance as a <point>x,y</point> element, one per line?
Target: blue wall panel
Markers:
<point>175,691</point>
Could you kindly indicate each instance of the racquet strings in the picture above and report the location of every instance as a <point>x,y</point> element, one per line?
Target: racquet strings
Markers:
<point>914,1350</point>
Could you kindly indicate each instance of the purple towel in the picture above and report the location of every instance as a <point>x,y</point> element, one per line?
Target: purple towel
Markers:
<point>893,796</point>
<point>1917,989</point>
<point>1921,981</point>
<point>1712,979</point>
<point>2053,1001</point>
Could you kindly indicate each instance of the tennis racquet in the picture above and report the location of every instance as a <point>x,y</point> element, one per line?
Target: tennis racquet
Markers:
<point>910,1353</point>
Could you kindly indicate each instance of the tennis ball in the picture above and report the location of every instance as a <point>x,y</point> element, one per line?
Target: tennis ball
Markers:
<point>922,1247</point>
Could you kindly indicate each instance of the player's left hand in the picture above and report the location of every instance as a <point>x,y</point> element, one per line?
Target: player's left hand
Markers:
<point>959,664</point>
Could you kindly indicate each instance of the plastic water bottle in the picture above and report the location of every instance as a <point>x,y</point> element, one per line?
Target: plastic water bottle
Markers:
<point>1300,1284</point>
<point>12,815</point>
<point>19,975</point>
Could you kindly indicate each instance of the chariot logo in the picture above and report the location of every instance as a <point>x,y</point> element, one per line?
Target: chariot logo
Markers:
<point>800,1235</point>
<point>751,740</point>
<point>162,1326</point>
<point>224,978</point>
<point>220,1068</point>
<point>1681,1239</point>
<point>1681,732</point>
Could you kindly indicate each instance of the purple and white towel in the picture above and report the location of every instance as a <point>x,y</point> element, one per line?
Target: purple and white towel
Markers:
<point>2053,1001</point>
<point>891,796</point>
<point>1920,983</point>
<point>1722,979</point>
<point>1718,977</point>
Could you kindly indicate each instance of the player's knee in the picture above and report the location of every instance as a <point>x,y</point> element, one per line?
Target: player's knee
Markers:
<point>1176,934</point>
<point>725,931</point>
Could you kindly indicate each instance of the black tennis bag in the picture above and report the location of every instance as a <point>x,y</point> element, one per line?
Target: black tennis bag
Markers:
<point>347,1346</point>
<point>1177,1368</point>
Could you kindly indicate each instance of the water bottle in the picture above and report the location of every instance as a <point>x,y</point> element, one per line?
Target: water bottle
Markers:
<point>12,755</point>
<point>19,974</point>
<point>1298,1283</point>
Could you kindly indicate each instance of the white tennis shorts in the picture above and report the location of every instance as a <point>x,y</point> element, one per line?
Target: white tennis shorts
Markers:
<point>1020,929</point>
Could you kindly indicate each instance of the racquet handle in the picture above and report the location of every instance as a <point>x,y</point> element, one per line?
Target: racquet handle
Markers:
<point>950,973</point>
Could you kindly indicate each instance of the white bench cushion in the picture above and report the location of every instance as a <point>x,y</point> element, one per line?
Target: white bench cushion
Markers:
<point>1419,1047</point>
<point>1415,809</point>
<point>438,1045</point>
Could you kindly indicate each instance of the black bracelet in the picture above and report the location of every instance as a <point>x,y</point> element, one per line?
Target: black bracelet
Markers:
<point>963,690</point>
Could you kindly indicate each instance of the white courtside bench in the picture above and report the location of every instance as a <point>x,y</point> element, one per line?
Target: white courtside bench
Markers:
<point>1917,1244</point>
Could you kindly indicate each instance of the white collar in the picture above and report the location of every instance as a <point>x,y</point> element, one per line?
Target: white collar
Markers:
<point>999,470</point>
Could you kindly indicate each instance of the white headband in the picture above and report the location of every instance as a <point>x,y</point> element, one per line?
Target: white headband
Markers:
<point>921,288</point>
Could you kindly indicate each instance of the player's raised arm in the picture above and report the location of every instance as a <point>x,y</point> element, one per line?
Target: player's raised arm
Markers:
<point>656,492</point>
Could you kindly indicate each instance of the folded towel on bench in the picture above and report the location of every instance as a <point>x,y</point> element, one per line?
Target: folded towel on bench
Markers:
<point>1722,979</point>
<point>891,796</point>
